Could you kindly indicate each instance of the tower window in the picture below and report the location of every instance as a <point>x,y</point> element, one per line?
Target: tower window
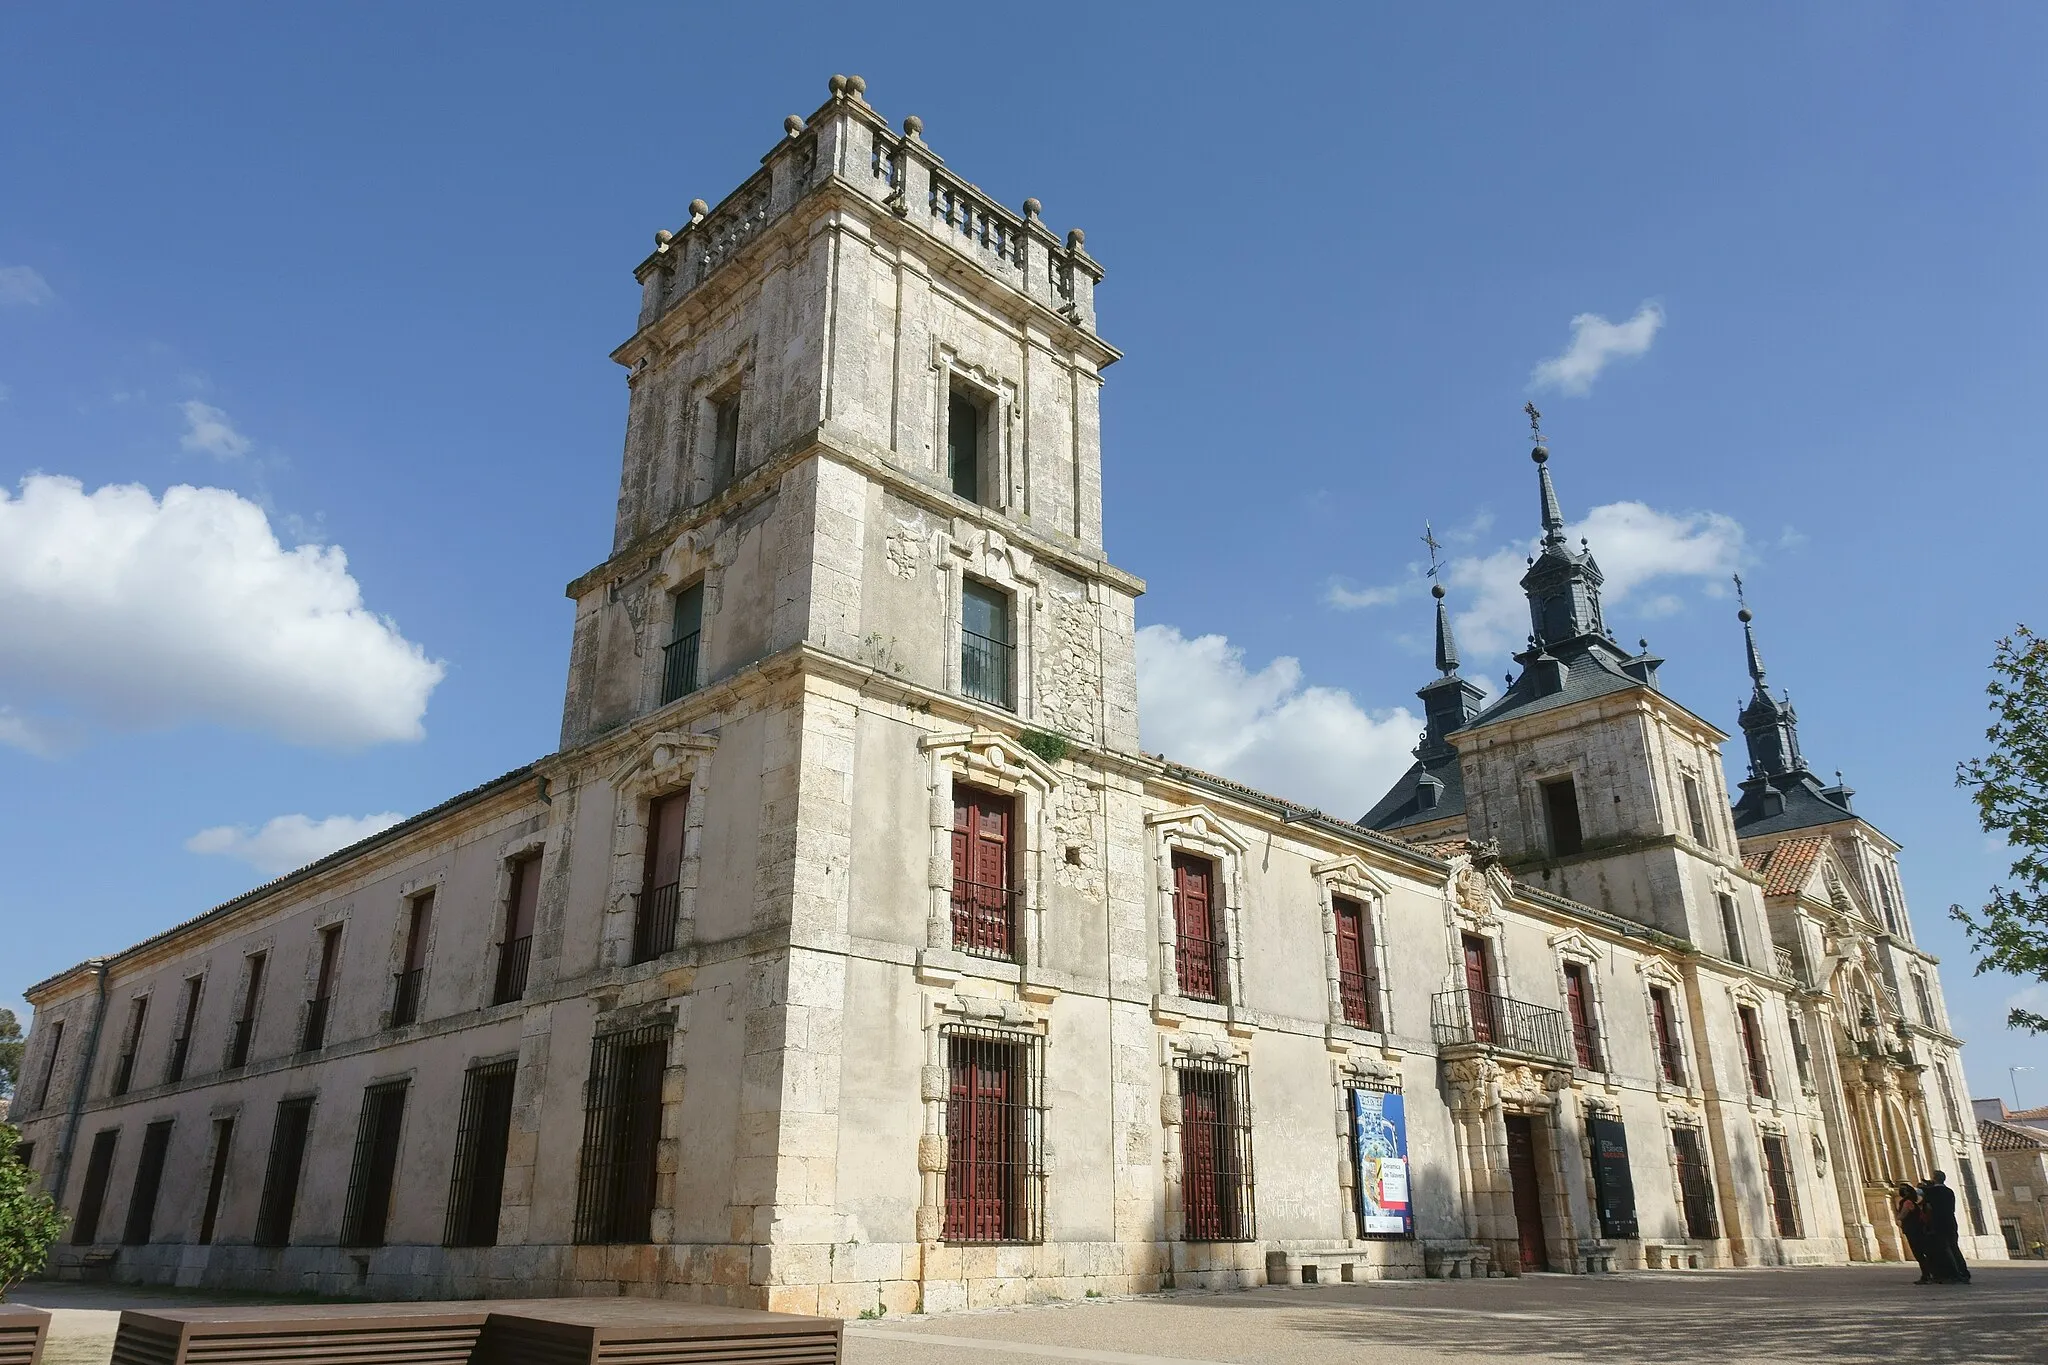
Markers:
<point>1731,928</point>
<point>987,652</point>
<point>725,440</point>
<point>968,446</point>
<point>1751,1029</point>
<point>1561,811</point>
<point>679,656</point>
<point>1696,811</point>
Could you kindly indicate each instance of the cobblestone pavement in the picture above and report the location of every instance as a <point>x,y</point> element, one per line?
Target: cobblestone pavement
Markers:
<point>1727,1317</point>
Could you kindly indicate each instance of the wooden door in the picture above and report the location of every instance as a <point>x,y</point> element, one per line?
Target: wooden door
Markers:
<point>1527,1193</point>
<point>1195,925</point>
<point>1476,996</point>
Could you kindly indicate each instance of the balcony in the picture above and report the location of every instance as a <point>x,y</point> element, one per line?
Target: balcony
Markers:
<point>314,1034</point>
<point>1483,1019</point>
<point>656,922</point>
<point>512,959</point>
<point>985,919</point>
<point>679,668</point>
<point>405,999</point>
<point>986,666</point>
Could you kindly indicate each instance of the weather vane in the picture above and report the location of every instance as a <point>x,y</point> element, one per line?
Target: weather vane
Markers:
<point>1429,539</point>
<point>1535,421</point>
<point>1740,600</point>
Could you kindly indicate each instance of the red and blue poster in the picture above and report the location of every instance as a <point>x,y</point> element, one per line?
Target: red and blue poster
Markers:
<point>1379,1142</point>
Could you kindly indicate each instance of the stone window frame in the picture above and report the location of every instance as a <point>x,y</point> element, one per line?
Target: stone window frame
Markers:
<point>336,916</point>
<point>666,762</point>
<point>997,763</point>
<point>1199,831</point>
<point>971,551</point>
<point>1576,946</point>
<point>265,946</point>
<point>1680,1116</point>
<point>674,1015</point>
<point>732,377</point>
<point>1533,782</point>
<point>1350,878</point>
<point>689,561</point>
<point>997,394</point>
<point>1032,1028</point>
<point>1657,972</point>
<point>411,889</point>
<point>1177,1049</point>
<point>1757,953</point>
<point>1358,1071</point>
<point>511,852</point>
<point>1744,995</point>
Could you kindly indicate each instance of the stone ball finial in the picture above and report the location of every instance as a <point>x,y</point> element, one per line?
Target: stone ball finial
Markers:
<point>856,87</point>
<point>1743,616</point>
<point>913,126</point>
<point>837,84</point>
<point>1032,208</point>
<point>1436,590</point>
<point>662,238</point>
<point>793,125</point>
<point>698,208</point>
<point>1540,454</point>
<point>1076,239</point>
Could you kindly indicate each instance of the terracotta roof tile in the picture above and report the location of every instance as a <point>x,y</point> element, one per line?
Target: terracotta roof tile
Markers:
<point>1788,866</point>
<point>2010,1137</point>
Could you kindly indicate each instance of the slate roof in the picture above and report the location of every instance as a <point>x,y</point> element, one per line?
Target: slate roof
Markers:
<point>1788,867</point>
<point>1591,672</point>
<point>1805,805</point>
<point>1402,805</point>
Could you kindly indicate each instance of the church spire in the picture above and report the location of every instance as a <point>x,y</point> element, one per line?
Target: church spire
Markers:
<point>1769,725</point>
<point>1448,702</point>
<point>1563,586</point>
<point>1446,647</point>
<point>1553,515</point>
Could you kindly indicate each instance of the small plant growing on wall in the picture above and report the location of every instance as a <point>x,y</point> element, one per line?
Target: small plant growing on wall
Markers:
<point>1046,745</point>
<point>29,1220</point>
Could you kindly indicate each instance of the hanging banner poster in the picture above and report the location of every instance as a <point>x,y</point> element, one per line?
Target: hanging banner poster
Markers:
<point>1379,1141</point>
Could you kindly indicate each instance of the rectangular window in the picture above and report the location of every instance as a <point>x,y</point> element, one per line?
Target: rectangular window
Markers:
<point>1778,1175</point>
<point>314,1035</point>
<point>131,1041</point>
<point>1948,1098</point>
<point>412,971</point>
<point>1479,997</point>
<point>615,1186</point>
<point>1990,1172</point>
<point>522,901</point>
<point>679,655</point>
<point>1970,1197</point>
<point>725,440</point>
<point>217,1178</point>
<point>482,1135</point>
<point>1924,999</point>
<point>983,901</point>
<point>1578,997</point>
<point>658,915</point>
<point>966,463</point>
<point>1215,1153</point>
<point>181,1041</point>
<point>994,1122</point>
<point>1561,810</point>
<point>375,1166</point>
<point>1695,1190</point>
<point>1696,811</point>
<point>1731,928</point>
<point>1670,1061</point>
<point>1753,1050</point>
<point>245,1023</point>
<point>1356,987</point>
<point>50,1051</point>
<point>281,1175</point>
<point>25,1153</point>
<point>1802,1058</point>
<point>987,652</point>
<point>92,1198</point>
<point>149,1181</point>
<point>1197,952</point>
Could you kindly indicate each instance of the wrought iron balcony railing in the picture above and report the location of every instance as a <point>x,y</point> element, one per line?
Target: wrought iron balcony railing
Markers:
<point>656,921</point>
<point>315,1031</point>
<point>512,958</point>
<point>405,998</point>
<point>985,919</point>
<point>181,1051</point>
<point>679,668</point>
<point>1499,1021</point>
<point>238,1044</point>
<point>124,1072</point>
<point>985,669</point>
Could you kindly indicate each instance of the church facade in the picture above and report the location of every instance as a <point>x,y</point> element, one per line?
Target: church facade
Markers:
<point>849,953</point>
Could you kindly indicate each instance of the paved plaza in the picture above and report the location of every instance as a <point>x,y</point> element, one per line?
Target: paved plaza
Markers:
<point>1840,1314</point>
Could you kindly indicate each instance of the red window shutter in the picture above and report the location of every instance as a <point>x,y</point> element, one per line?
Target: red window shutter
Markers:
<point>665,840</point>
<point>1201,1118</point>
<point>1195,958</point>
<point>981,1166</point>
<point>1476,997</point>
<point>1581,1015</point>
<point>982,895</point>
<point>1354,962</point>
<point>519,913</point>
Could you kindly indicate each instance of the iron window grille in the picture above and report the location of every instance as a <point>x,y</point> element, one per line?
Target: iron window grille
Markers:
<point>1355,985</point>
<point>181,1042</point>
<point>1578,994</point>
<point>245,1025</point>
<point>217,1178</point>
<point>679,657</point>
<point>375,1166</point>
<point>615,1185</point>
<point>657,914</point>
<point>149,1182</point>
<point>1778,1174</point>
<point>1695,1190</point>
<point>515,950</point>
<point>405,997</point>
<point>656,921</point>
<point>995,1130</point>
<point>513,957</point>
<point>1216,1185</point>
<point>482,1134</point>
<point>987,657</point>
<point>281,1174</point>
<point>92,1199</point>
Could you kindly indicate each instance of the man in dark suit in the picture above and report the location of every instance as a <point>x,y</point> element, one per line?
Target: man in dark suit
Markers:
<point>1943,1231</point>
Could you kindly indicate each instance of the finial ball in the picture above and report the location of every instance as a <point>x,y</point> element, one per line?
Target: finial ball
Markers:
<point>1743,616</point>
<point>856,86</point>
<point>1076,239</point>
<point>1436,590</point>
<point>913,126</point>
<point>838,85</point>
<point>793,125</point>
<point>1540,454</point>
<point>698,208</point>
<point>663,237</point>
<point>1032,208</point>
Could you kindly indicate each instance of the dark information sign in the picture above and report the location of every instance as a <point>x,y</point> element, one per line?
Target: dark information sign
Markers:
<point>1613,1187</point>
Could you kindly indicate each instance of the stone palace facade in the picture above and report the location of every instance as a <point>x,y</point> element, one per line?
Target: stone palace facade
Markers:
<point>849,953</point>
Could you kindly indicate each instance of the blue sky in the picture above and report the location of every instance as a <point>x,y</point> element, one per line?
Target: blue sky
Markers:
<point>359,268</point>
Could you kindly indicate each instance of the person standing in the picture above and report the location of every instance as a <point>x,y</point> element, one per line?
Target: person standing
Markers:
<point>1912,1216</point>
<point>1944,1236</point>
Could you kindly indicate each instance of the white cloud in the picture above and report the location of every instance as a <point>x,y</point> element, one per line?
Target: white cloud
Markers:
<point>289,841</point>
<point>22,287</point>
<point>1351,599</point>
<point>1595,341</point>
<point>1201,706</point>
<point>1635,545</point>
<point>137,613</point>
<point>208,431</point>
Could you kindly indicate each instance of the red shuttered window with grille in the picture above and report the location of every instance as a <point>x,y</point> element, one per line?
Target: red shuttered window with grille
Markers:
<point>1579,1005</point>
<point>994,1173</point>
<point>983,922</point>
<point>1215,1154</point>
<point>1196,945</point>
<point>1354,962</point>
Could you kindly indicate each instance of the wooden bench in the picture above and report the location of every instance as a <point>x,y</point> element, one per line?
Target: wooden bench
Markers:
<point>653,1332</point>
<point>357,1333</point>
<point>22,1333</point>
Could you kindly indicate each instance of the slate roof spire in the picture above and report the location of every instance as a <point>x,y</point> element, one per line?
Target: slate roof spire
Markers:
<point>1446,646</point>
<point>1770,727</point>
<point>1563,586</point>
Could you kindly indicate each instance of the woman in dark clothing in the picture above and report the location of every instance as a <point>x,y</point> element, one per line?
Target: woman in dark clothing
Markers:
<point>1912,1217</point>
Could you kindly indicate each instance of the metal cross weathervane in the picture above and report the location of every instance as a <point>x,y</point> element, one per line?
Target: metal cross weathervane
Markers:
<point>1429,539</point>
<point>1740,600</point>
<point>1535,422</point>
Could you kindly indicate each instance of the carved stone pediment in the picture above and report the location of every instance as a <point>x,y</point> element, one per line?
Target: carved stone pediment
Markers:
<point>665,758</point>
